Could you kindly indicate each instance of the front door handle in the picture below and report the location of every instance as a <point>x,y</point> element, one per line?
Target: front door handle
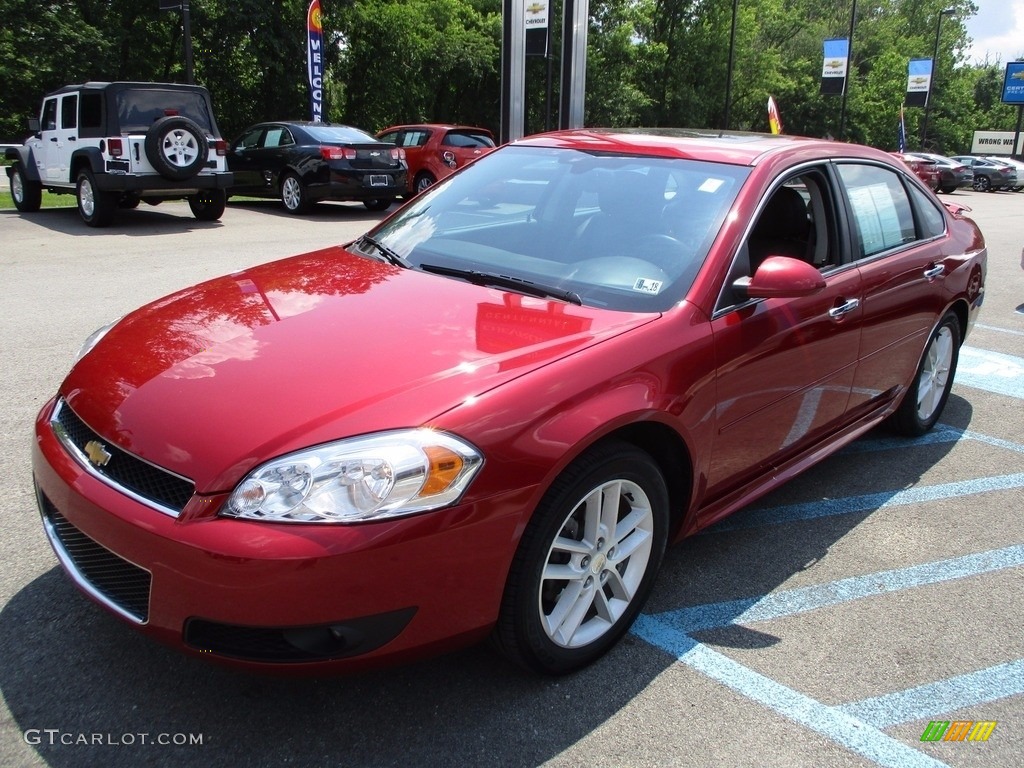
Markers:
<point>844,309</point>
<point>933,272</point>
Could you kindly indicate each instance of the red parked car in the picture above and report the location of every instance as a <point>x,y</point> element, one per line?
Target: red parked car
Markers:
<point>925,169</point>
<point>490,414</point>
<point>434,151</point>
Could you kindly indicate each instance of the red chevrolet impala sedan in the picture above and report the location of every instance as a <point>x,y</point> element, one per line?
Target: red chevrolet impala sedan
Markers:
<point>489,415</point>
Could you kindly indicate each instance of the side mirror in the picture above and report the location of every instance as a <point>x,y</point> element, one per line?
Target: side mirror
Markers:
<point>33,124</point>
<point>781,277</point>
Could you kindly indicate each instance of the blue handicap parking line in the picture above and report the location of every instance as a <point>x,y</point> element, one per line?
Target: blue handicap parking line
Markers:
<point>856,725</point>
<point>865,503</point>
<point>832,722</point>
<point>927,701</point>
<point>802,599</point>
<point>1011,331</point>
<point>991,371</point>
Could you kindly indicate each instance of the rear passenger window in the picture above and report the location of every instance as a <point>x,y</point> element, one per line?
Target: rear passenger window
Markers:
<point>930,220</point>
<point>69,112</point>
<point>882,215</point>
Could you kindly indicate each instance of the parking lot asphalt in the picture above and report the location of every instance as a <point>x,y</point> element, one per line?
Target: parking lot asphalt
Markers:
<point>845,620</point>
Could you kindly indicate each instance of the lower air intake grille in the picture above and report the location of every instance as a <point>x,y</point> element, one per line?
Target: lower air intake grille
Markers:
<point>113,580</point>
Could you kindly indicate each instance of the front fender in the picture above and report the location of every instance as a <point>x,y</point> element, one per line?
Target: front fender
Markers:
<point>24,156</point>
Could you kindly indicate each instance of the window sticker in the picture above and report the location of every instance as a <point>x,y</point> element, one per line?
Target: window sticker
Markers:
<point>711,185</point>
<point>646,285</point>
<point>875,211</point>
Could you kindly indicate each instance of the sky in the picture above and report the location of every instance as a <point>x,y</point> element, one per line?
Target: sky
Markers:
<point>998,31</point>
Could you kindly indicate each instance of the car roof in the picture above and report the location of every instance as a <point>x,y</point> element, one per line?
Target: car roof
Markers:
<point>436,127</point>
<point>730,147</point>
<point>121,85</point>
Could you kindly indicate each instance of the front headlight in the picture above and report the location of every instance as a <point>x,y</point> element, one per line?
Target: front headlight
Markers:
<point>94,338</point>
<point>387,475</point>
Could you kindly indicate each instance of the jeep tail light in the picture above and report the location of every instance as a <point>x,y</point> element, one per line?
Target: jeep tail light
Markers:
<point>221,147</point>
<point>115,147</point>
<point>449,159</point>
<point>337,153</point>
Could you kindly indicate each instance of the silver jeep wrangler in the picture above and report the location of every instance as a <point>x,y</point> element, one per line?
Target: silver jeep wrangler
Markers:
<point>116,144</point>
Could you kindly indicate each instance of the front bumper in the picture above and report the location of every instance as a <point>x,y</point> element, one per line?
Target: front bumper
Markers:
<point>256,594</point>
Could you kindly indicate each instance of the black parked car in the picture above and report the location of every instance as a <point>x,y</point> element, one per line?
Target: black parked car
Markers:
<point>302,163</point>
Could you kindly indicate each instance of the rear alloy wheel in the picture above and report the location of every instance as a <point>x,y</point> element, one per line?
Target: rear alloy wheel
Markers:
<point>927,395</point>
<point>208,205</point>
<point>424,181</point>
<point>378,205</point>
<point>94,206</point>
<point>586,562</point>
<point>27,194</point>
<point>293,195</point>
<point>982,184</point>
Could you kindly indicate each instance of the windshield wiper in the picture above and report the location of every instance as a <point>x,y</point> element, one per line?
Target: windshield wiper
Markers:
<point>390,256</point>
<point>496,280</point>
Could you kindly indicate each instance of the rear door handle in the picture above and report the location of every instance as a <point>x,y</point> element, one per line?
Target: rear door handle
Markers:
<point>844,309</point>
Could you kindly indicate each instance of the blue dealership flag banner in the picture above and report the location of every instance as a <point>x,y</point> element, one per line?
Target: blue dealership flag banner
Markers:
<point>919,82</point>
<point>1013,83</point>
<point>315,61</point>
<point>901,133</point>
<point>834,68</point>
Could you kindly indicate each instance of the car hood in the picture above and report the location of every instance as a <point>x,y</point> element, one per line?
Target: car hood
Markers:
<point>217,378</point>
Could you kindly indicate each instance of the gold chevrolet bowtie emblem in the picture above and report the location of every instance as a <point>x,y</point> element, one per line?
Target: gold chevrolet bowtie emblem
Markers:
<point>535,8</point>
<point>97,453</point>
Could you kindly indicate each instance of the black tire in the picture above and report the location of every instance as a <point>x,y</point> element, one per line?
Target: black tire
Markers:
<point>947,190</point>
<point>982,184</point>
<point>94,206</point>
<point>294,195</point>
<point>27,194</point>
<point>379,205</point>
<point>208,205</point>
<point>603,591</point>
<point>926,397</point>
<point>176,147</point>
<point>423,181</point>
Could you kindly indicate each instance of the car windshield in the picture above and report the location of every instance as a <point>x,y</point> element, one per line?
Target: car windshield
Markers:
<point>618,231</point>
<point>339,134</point>
<point>138,109</point>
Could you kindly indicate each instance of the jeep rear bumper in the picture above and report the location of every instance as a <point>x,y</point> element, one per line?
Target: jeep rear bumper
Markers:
<point>127,182</point>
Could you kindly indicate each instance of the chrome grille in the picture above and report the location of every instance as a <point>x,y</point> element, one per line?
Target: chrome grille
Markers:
<point>112,580</point>
<point>138,478</point>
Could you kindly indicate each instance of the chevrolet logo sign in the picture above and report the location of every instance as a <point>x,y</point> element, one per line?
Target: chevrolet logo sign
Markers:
<point>835,64</point>
<point>535,8</point>
<point>97,453</point>
<point>1017,76</point>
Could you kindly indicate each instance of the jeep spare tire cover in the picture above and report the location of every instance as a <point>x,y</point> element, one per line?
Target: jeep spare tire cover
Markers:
<point>176,147</point>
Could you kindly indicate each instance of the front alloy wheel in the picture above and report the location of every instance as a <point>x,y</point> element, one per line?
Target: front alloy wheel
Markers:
<point>926,398</point>
<point>27,194</point>
<point>982,184</point>
<point>586,562</point>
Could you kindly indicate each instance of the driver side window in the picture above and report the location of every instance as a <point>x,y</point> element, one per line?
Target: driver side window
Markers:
<point>797,221</point>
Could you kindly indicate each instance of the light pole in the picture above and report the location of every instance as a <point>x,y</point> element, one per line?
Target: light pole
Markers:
<point>935,73</point>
